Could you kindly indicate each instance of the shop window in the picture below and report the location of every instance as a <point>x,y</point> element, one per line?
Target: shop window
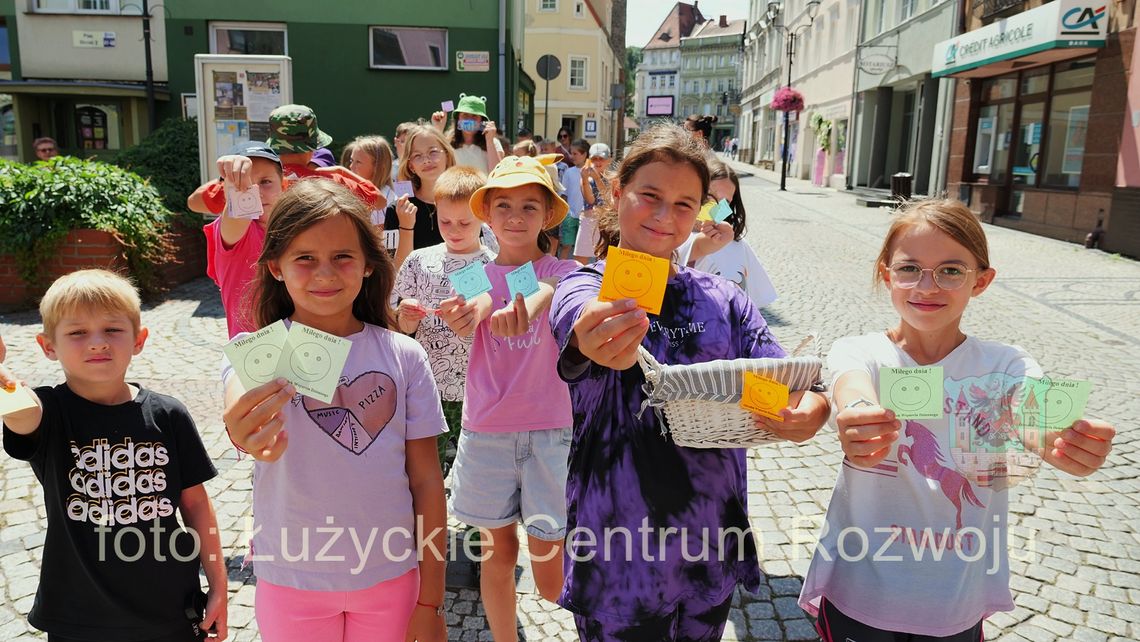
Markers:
<point>1074,75</point>
<point>1027,147</point>
<point>97,127</point>
<point>76,6</point>
<point>999,88</point>
<point>1035,81</point>
<point>1068,127</point>
<point>248,38</point>
<point>5,54</point>
<point>408,48</point>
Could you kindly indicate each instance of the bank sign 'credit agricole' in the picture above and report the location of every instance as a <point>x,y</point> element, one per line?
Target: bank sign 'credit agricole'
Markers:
<point>1058,24</point>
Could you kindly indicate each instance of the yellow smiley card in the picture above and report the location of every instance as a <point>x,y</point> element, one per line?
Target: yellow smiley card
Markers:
<point>764,396</point>
<point>633,275</point>
<point>706,211</point>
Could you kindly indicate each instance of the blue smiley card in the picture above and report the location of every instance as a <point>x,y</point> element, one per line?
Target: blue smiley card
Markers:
<point>522,280</point>
<point>471,281</point>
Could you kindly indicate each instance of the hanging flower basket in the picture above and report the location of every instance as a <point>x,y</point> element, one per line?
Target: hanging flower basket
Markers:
<point>787,99</point>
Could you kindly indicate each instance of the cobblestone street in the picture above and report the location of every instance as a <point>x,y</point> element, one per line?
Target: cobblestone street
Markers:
<point>1076,563</point>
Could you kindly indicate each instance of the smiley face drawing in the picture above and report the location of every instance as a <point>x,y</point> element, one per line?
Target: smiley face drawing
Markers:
<point>1057,408</point>
<point>762,397</point>
<point>310,362</point>
<point>633,278</point>
<point>261,363</point>
<point>469,282</point>
<point>910,394</point>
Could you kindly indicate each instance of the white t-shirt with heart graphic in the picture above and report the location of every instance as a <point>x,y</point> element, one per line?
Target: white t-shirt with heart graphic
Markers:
<point>335,512</point>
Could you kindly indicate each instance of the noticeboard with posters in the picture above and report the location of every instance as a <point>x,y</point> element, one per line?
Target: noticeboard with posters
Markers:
<point>234,97</point>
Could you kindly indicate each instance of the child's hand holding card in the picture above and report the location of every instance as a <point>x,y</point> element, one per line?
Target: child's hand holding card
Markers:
<point>634,275</point>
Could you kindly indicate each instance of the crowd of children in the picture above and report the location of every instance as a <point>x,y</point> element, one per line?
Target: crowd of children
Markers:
<point>538,394</point>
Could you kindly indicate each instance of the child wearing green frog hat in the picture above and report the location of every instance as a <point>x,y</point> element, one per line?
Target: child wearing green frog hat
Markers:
<point>472,134</point>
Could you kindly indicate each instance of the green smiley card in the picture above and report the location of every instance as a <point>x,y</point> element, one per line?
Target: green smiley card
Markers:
<point>313,360</point>
<point>912,393</point>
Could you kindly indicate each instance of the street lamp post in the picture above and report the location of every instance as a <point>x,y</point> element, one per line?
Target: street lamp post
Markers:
<point>790,33</point>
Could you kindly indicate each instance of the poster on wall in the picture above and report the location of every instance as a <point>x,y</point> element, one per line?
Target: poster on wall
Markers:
<point>228,133</point>
<point>1075,134</point>
<point>235,95</point>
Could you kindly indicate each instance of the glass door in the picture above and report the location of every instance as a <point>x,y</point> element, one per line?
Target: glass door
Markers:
<point>1026,153</point>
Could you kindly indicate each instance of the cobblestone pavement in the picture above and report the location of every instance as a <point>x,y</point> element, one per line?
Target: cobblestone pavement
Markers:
<point>1077,564</point>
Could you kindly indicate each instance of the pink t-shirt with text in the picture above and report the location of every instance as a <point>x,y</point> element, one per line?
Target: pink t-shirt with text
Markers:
<point>512,382</point>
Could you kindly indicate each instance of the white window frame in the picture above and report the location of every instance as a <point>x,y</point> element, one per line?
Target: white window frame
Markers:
<point>73,7</point>
<point>444,60</point>
<point>550,9</point>
<point>579,8</point>
<point>904,15</point>
<point>246,26</point>
<point>585,60</point>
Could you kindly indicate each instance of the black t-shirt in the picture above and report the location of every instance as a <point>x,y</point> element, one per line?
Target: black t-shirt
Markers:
<point>427,228</point>
<point>113,478</point>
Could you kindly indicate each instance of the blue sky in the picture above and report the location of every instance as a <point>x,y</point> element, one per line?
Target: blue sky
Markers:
<point>644,16</point>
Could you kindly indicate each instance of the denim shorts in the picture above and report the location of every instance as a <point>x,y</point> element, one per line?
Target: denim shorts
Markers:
<point>500,478</point>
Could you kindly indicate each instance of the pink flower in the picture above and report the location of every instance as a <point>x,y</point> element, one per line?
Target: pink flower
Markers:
<point>787,99</point>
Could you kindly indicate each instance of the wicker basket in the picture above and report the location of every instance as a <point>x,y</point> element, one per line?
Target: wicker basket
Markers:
<point>701,401</point>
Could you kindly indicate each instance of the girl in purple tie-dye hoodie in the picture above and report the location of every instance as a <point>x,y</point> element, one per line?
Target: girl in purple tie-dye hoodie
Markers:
<point>657,534</point>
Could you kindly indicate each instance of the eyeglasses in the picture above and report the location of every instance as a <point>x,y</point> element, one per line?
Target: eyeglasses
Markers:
<point>564,135</point>
<point>948,276</point>
<point>433,154</point>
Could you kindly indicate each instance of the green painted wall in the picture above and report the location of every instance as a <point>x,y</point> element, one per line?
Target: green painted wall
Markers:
<point>329,47</point>
<point>8,12</point>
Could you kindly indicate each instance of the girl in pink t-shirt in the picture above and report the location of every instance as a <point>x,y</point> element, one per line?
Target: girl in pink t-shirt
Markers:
<point>513,450</point>
<point>345,493</point>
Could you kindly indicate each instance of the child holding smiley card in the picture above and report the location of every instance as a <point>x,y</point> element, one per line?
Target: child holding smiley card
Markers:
<point>423,284</point>
<point>623,471</point>
<point>928,495</point>
<point>514,401</point>
<point>362,461</point>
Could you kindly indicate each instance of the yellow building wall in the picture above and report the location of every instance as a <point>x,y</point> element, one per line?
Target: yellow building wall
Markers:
<point>572,31</point>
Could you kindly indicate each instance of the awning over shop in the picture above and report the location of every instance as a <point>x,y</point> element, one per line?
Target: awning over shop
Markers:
<point>1054,31</point>
<point>74,88</point>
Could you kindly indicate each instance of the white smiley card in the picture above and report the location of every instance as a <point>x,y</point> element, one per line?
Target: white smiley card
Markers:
<point>634,275</point>
<point>403,188</point>
<point>1053,404</point>
<point>764,396</point>
<point>243,204</point>
<point>912,393</point>
<point>313,360</point>
<point>471,281</point>
<point>254,357</point>
<point>15,400</point>
<point>522,280</point>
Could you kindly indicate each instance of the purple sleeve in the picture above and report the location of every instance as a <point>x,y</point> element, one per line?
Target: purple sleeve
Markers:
<point>756,340</point>
<point>574,291</point>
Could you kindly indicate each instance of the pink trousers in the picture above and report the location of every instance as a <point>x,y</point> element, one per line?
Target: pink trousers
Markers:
<point>376,614</point>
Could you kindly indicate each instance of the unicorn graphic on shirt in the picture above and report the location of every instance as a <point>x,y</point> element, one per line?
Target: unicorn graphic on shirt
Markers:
<point>925,456</point>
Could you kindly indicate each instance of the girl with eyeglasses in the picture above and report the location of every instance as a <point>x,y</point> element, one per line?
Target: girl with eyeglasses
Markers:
<point>425,155</point>
<point>914,543</point>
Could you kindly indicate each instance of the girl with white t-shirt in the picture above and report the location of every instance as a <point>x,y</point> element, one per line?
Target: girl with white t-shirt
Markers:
<point>914,542</point>
<point>365,465</point>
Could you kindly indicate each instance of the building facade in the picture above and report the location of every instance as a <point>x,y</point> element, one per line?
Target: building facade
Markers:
<point>580,98</point>
<point>902,113</point>
<point>1041,108</point>
<point>77,67</point>
<point>822,62</point>
<point>74,70</point>
<point>657,86</point>
<point>710,75</point>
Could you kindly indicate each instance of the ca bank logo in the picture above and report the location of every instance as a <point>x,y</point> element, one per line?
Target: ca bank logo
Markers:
<point>1082,21</point>
<point>952,53</point>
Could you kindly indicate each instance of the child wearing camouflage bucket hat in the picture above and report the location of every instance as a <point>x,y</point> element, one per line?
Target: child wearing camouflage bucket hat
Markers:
<point>473,134</point>
<point>513,398</point>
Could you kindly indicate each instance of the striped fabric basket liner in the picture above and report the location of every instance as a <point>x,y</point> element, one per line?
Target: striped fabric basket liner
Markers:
<point>701,401</point>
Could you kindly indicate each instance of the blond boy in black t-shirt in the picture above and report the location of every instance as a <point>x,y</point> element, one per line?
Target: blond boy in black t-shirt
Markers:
<point>116,462</point>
